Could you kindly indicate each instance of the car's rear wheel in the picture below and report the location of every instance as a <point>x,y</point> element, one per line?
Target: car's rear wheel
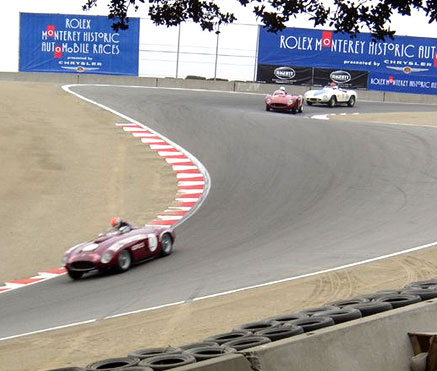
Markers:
<point>75,275</point>
<point>332,101</point>
<point>124,261</point>
<point>351,101</point>
<point>309,103</point>
<point>301,108</point>
<point>166,245</point>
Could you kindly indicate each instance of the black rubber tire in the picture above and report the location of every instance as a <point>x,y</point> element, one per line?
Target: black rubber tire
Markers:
<point>300,110</point>
<point>72,368</point>
<point>166,245</point>
<point>209,351</point>
<point>113,363</point>
<point>136,368</point>
<point>256,326</point>
<point>423,284</point>
<point>309,103</point>
<point>228,336</point>
<point>311,323</point>
<point>400,300</point>
<point>247,342</point>
<point>152,352</point>
<point>267,108</point>
<point>313,310</point>
<point>198,345</point>
<point>75,275</point>
<point>371,307</point>
<point>346,302</point>
<point>280,332</point>
<point>124,261</point>
<point>352,100</point>
<point>282,318</point>
<point>294,110</point>
<point>341,315</point>
<point>168,361</point>
<point>332,101</point>
<point>424,293</point>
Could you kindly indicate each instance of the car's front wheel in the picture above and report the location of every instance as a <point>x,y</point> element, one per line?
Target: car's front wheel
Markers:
<point>332,101</point>
<point>351,101</point>
<point>309,103</point>
<point>166,245</point>
<point>267,108</point>
<point>75,275</point>
<point>124,261</point>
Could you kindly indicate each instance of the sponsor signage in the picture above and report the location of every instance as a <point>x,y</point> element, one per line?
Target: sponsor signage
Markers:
<point>346,78</point>
<point>77,44</point>
<point>284,74</point>
<point>404,57</point>
<point>403,83</point>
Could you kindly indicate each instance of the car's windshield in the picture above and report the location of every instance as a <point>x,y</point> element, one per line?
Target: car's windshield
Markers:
<point>112,231</point>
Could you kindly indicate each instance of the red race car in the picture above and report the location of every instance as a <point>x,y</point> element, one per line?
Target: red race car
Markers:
<point>118,248</point>
<point>280,100</point>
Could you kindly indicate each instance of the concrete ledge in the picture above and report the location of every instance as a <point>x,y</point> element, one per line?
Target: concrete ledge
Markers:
<point>377,342</point>
<point>231,362</point>
<point>236,86</point>
<point>196,84</point>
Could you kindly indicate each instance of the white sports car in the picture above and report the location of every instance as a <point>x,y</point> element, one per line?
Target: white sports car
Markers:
<point>331,95</point>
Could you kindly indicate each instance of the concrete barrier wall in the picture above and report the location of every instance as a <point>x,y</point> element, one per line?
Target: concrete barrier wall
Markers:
<point>236,86</point>
<point>377,342</point>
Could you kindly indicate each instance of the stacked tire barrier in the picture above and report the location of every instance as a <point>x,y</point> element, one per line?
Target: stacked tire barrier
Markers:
<point>381,319</point>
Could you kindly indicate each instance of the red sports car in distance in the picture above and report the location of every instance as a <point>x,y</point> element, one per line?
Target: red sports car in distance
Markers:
<point>280,100</point>
<point>118,248</point>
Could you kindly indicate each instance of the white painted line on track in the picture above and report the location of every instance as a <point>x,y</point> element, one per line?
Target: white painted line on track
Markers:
<point>320,117</point>
<point>176,160</point>
<point>153,140</point>
<point>48,329</point>
<point>188,175</point>
<point>187,199</point>
<point>169,153</point>
<point>351,265</point>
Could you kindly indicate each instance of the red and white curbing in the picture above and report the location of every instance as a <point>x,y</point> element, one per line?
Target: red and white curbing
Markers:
<point>191,179</point>
<point>42,276</point>
<point>192,189</point>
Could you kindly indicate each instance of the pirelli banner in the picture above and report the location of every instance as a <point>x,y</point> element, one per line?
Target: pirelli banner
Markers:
<point>346,78</point>
<point>285,74</point>
<point>311,76</point>
<point>77,44</point>
<point>403,64</point>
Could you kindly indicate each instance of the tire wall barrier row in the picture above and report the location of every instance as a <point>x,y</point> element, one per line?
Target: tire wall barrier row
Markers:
<point>232,86</point>
<point>377,342</point>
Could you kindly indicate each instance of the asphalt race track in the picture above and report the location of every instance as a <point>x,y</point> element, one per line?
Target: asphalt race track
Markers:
<point>289,195</point>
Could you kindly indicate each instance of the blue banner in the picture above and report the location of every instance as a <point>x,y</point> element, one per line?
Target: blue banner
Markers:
<point>404,57</point>
<point>403,83</point>
<point>77,44</point>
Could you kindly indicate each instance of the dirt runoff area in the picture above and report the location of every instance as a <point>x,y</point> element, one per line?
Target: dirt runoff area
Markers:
<point>57,174</point>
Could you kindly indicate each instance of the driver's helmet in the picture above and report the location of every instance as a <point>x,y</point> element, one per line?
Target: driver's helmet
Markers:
<point>116,222</point>
<point>282,89</point>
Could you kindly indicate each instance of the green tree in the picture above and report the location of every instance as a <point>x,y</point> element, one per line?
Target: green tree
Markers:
<point>351,16</point>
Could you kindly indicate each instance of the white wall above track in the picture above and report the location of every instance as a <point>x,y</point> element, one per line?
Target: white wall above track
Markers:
<point>198,51</point>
